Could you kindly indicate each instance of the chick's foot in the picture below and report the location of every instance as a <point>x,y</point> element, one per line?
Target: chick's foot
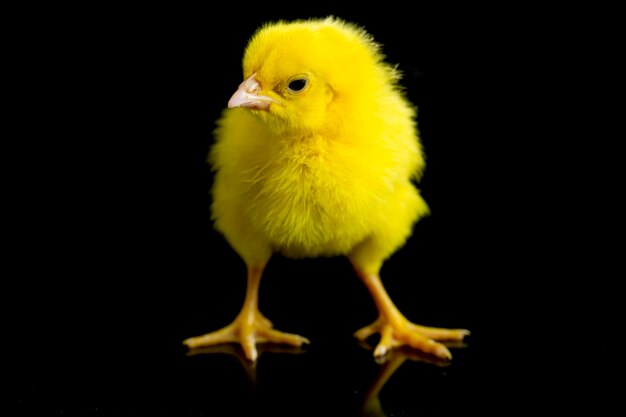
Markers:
<point>247,329</point>
<point>399,331</point>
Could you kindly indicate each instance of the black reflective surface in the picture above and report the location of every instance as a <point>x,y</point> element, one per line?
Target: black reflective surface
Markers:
<point>113,262</point>
<point>101,373</point>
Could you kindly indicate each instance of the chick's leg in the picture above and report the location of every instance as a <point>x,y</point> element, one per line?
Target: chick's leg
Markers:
<point>396,330</point>
<point>249,327</point>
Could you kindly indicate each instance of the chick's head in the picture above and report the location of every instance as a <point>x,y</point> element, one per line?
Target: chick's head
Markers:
<point>310,75</point>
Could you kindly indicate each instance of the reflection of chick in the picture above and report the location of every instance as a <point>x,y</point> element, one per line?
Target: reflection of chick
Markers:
<point>371,406</point>
<point>389,364</point>
<point>315,157</point>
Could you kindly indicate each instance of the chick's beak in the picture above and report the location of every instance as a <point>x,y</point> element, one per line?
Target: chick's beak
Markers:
<point>247,96</point>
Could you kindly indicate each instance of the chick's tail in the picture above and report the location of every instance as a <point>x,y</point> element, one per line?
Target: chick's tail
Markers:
<point>249,327</point>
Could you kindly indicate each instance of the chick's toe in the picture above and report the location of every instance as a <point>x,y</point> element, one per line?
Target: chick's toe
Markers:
<point>248,332</point>
<point>401,332</point>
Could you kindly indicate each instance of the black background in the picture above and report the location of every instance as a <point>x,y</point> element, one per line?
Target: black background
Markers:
<point>113,260</point>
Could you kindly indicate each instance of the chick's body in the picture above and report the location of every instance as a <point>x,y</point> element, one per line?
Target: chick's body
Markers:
<point>313,194</point>
<point>319,161</point>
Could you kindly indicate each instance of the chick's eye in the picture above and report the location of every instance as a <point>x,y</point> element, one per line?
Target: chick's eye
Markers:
<point>297,85</point>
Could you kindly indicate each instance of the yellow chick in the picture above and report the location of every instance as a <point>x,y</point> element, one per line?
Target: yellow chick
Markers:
<point>316,155</point>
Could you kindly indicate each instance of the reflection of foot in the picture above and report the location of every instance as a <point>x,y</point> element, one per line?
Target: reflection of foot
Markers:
<point>235,350</point>
<point>389,364</point>
<point>401,332</point>
<point>371,403</point>
<point>248,329</point>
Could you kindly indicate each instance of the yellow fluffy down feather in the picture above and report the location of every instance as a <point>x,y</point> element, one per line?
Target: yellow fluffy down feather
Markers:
<point>317,155</point>
<point>328,170</point>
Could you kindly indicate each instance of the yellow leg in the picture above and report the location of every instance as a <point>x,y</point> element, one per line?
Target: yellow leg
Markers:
<point>249,327</point>
<point>396,330</point>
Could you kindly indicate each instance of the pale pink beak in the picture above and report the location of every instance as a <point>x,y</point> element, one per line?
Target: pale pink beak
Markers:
<point>247,96</point>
